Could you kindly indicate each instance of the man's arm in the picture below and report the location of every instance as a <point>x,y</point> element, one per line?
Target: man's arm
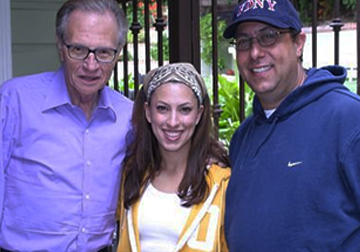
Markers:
<point>8,115</point>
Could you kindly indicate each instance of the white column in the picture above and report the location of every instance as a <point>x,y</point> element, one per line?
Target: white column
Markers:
<point>5,41</point>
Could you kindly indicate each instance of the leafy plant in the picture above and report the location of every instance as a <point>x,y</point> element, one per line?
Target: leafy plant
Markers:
<point>229,100</point>
<point>350,4</point>
<point>141,16</point>
<point>325,9</point>
<point>129,56</point>
<point>131,83</point>
<point>206,39</point>
<point>141,11</point>
<point>141,37</point>
<point>154,49</point>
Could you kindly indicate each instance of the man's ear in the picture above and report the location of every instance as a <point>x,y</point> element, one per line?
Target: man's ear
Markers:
<point>61,51</point>
<point>300,43</point>
<point>118,54</point>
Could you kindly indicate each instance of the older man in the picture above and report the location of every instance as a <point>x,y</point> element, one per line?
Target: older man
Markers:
<point>63,139</point>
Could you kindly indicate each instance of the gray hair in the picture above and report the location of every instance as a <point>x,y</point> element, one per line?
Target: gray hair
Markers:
<point>94,6</point>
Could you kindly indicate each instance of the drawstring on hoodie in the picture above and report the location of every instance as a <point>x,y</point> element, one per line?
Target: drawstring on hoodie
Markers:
<point>197,219</point>
<point>219,241</point>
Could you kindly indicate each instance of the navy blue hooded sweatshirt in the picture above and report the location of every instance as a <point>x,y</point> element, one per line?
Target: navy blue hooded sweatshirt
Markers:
<point>295,183</point>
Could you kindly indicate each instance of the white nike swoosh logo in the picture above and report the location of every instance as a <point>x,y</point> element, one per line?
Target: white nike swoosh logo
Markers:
<point>292,164</point>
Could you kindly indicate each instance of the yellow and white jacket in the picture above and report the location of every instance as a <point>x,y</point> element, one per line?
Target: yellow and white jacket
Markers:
<point>204,228</point>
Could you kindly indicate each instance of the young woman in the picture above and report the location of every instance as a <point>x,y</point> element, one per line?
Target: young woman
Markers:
<point>172,197</point>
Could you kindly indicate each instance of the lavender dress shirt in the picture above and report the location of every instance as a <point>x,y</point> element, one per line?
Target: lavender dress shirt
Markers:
<point>59,173</point>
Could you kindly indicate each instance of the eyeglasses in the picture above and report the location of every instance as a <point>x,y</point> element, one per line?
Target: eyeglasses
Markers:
<point>264,38</point>
<point>102,54</point>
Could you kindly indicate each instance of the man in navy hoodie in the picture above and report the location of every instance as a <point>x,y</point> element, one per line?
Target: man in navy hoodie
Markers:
<point>295,183</point>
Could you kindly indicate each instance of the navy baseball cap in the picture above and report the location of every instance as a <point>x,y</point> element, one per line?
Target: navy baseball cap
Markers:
<point>279,13</point>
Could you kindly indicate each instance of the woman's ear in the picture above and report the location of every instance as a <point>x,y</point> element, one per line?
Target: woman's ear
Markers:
<point>147,112</point>
<point>198,117</point>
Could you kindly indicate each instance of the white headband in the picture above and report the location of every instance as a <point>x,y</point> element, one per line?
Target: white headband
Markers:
<point>183,73</point>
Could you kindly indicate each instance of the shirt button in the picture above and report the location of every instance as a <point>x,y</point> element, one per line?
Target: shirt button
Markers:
<point>83,230</point>
<point>87,132</point>
<point>88,163</point>
<point>87,196</point>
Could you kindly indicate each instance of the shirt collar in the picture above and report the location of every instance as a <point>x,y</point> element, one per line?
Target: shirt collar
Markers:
<point>105,102</point>
<point>58,95</point>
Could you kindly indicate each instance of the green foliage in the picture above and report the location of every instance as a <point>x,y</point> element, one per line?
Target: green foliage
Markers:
<point>229,100</point>
<point>154,49</point>
<point>131,83</point>
<point>349,4</point>
<point>141,37</point>
<point>141,16</point>
<point>325,9</point>
<point>206,39</point>
<point>141,11</point>
<point>352,85</point>
<point>305,10</point>
<point>129,57</point>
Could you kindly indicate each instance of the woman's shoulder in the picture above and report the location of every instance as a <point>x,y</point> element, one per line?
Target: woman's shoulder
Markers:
<point>219,173</point>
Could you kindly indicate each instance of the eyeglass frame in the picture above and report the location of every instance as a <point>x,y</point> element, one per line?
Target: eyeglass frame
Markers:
<point>68,46</point>
<point>251,39</point>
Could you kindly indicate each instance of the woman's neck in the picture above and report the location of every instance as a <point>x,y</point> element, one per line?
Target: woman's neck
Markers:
<point>171,173</point>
